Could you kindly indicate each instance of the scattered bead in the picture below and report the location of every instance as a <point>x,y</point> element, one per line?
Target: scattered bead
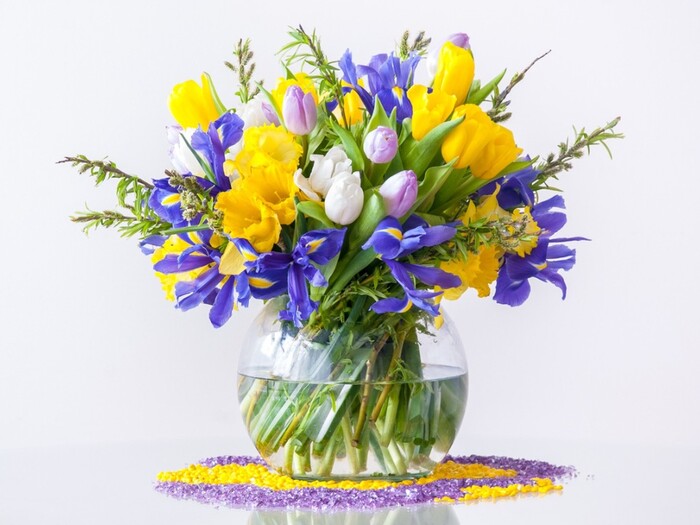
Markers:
<point>241,481</point>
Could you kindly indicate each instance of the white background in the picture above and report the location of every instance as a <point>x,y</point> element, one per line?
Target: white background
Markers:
<point>90,353</point>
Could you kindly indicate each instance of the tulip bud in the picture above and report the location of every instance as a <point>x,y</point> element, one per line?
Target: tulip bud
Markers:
<point>381,144</point>
<point>345,199</point>
<point>455,71</point>
<point>400,192</point>
<point>299,111</point>
<point>193,105</point>
<point>458,39</point>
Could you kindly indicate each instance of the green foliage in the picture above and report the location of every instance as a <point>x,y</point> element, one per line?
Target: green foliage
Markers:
<point>419,45</point>
<point>417,155</point>
<point>244,68</point>
<point>132,194</point>
<point>555,163</point>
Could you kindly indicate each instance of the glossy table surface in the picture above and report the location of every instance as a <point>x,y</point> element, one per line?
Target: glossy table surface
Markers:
<point>112,484</point>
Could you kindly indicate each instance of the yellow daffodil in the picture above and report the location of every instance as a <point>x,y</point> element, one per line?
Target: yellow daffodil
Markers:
<point>477,271</point>
<point>522,217</point>
<point>193,105</point>
<point>268,148</point>
<point>455,71</point>
<point>429,109</point>
<point>477,142</point>
<point>248,217</point>
<point>304,81</point>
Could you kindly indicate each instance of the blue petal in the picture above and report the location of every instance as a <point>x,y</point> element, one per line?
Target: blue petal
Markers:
<point>386,239</point>
<point>223,305</point>
<point>510,292</point>
<point>321,245</point>
<point>392,304</point>
<point>266,285</point>
<point>151,243</point>
<point>170,263</point>
<point>433,276</point>
<point>231,127</point>
<point>192,293</point>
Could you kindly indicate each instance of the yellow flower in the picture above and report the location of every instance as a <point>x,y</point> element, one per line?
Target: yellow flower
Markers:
<point>174,245</point>
<point>276,189</point>
<point>352,104</point>
<point>477,271</point>
<point>531,229</point>
<point>248,217</point>
<point>487,148</point>
<point>429,109</point>
<point>455,71</point>
<point>304,81</point>
<point>192,105</point>
<point>268,148</point>
<point>487,209</point>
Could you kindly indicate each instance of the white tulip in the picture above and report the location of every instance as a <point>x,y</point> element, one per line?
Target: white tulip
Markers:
<point>345,198</point>
<point>252,112</point>
<point>326,168</point>
<point>181,157</point>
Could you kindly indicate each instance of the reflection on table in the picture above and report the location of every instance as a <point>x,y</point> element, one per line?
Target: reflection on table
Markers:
<point>422,515</point>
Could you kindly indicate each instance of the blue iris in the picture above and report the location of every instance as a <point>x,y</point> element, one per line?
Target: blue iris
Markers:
<point>391,240</point>
<point>387,77</point>
<point>543,263</point>
<point>207,287</point>
<point>273,273</point>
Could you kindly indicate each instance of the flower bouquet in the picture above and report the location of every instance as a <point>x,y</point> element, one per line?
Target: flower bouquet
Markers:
<point>351,198</point>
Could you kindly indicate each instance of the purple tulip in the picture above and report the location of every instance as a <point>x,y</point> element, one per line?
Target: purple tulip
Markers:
<point>270,114</point>
<point>381,144</point>
<point>399,192</point>
<point>299,111</point>
<point>459,39</point>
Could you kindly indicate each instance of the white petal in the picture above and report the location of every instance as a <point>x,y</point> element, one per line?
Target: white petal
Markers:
<point>305,186</point>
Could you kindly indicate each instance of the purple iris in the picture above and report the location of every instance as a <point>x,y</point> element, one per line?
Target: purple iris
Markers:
<point>272,273</point>
<point>223,133</point>
<point>515,188</point>
<point>384,74</point>
<point>205,288</point>
<point>543,263</point>
<point>391,241</point>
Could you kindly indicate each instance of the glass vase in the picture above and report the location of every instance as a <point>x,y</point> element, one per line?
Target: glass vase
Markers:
<point>372,397</point>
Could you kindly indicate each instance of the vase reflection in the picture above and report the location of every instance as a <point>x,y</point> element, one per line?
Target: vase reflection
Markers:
<point>422,515</point>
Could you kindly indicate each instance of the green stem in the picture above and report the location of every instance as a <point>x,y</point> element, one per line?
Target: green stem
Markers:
<point>367,387</point>
<point>351,451</point>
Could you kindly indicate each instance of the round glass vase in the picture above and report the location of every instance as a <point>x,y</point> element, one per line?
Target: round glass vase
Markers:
<point>377,397</point>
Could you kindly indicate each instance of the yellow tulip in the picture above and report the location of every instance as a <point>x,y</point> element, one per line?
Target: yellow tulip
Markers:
<point>193,105</point>
<point>429,109</point>
<point>455,71</point>
<point>352,104</point>
<point>487,148</point>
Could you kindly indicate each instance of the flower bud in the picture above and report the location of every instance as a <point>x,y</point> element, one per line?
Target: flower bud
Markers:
<point>381,144</point>
<point>455,71</point>
<point>400,192</point>
<point>345,199</point>
<point>193,105</point>
<point>458,39</point>
<point>299,111</point>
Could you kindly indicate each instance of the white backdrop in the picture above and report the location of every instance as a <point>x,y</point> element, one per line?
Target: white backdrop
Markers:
<point>90,351</point>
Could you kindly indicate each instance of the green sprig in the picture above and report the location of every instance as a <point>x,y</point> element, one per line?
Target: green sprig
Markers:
<point>420,45</point>
<point>499,104</point>
<point>132,194</point>
<point>244,68</point>
<point>556,163</point>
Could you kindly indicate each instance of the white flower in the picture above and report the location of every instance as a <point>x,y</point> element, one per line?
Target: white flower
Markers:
<point>345,198</point>
<point>252,112</point>
<point>325,170</point>
<point>181,156</point>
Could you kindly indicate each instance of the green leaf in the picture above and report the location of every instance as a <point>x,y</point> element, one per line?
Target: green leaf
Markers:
<point>204,165</point>
<point>433,180</point>
<point>315,210</point>
<point>215,96</point>
<point>347,269</point>
<point>380,118</point>
<point>516,166</point>
<point>478,94</point>
<point>417,154</point>
<point>373,212</point>
<point>352,150</point>
<point>431,219</point>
